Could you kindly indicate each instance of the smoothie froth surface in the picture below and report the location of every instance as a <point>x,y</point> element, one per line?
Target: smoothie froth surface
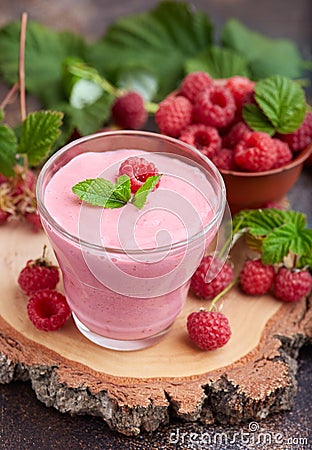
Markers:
<point>179,208</point>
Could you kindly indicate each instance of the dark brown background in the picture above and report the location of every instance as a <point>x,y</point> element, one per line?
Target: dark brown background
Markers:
<point>25,422</point>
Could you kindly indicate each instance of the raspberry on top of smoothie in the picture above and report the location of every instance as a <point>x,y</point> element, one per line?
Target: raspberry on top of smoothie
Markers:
<point>130,212</point>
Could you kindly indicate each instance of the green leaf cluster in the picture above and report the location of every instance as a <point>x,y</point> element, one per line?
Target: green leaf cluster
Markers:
<point>34,139</point>
<point>280,106</point>
<point>149,52</point>
<point>279,234</point>
<point>104,193</point>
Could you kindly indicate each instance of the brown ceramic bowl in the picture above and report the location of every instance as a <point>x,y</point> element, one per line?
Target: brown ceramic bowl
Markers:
<point>246,190</point>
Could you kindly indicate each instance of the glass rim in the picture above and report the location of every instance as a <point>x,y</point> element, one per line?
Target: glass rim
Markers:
<point>43,211</point>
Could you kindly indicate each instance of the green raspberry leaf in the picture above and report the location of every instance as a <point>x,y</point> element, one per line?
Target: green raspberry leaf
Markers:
<point>8,149</point>
<point>302,243</point>
<point>89,119</point>
<point>45,52</point>
<point>219,63</point>
<point>265,56</point>
<point>295,217</point>
<point>140,196</point>
<point>158,41</point>
<point>99,192</point>
<point>82,83</point>
<point>39,131</point>
<point>305,261</point>
<point>1,114</point>
<point>277,244</point>
<point>282,101</point>
<point>275,234</point>
<point>139,80</point>
<point>257,120</point>
<point>284,239</point>
<point>258,222</point>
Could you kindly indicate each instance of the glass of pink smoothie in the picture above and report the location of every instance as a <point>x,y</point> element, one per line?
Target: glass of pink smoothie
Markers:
<point>126,271</point>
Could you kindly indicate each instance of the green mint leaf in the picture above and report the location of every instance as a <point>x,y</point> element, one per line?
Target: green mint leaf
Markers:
<point>98,192</point>
<point>158,41</point>
<point>282,101</point>
<point>256,119</point>
<point>8,149</point>
<point>123,188</point>
<point>39,131</point>
<point>139,198</point>
<point>265,56</point>
<point>219,63</point>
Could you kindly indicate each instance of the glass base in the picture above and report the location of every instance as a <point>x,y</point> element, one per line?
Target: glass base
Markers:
<point>116,344</point>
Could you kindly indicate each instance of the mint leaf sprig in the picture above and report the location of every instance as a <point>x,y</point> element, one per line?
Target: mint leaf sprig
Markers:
<point>104,193</point>
<point>282,237</point>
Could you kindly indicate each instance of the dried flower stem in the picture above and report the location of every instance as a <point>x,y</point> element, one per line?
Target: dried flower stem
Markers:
<point>9,95</point>
<point>22,66</point>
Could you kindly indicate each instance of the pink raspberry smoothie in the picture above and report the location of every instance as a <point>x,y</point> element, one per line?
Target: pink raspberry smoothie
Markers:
<point>131,279</point>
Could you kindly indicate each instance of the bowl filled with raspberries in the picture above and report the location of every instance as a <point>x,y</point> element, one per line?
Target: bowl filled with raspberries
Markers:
<point>258,134</point>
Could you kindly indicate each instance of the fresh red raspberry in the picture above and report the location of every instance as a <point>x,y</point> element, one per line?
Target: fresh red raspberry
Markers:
<point>138,170</point>
<point>256,278</point>
<point>241,88</point>
<point>48,310</point>
<point>300,138</point>
<point>204,138</point>
<point>224,159</point>
<point>208,329</point>
<point>34,220</point>
<point>38,274</point>
<point>173,115</point>
<point>237,133</point>
<point>128,111</point>
<point>220,274</point>
<point>284,154</point>
<point>193,83</point>
<point>215,107</point>
<point>292,285</point>
<point>256,153</point>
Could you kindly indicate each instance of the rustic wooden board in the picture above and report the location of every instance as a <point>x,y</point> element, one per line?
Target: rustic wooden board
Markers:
<point>249,378</point>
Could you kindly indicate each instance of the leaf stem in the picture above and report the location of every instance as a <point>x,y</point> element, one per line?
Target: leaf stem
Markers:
<point>225,290</point>
<point>22,66</point>
<point>9,95</point>
<point>151,107</point>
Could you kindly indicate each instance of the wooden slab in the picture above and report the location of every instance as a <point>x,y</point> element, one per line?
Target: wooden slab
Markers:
<point>249,378</point>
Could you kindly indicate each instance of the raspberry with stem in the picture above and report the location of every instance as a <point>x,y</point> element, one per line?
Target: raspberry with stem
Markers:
<point>210,329</point>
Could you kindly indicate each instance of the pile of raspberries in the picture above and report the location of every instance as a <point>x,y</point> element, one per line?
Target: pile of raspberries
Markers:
<point>207,114</point>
